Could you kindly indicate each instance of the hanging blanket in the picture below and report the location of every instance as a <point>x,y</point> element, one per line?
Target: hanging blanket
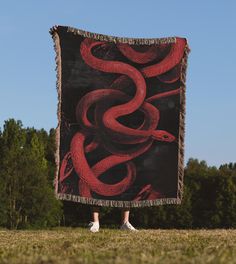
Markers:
<point>121,112</point>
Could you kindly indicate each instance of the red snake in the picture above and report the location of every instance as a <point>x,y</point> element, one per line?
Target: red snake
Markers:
<point>106,125</point>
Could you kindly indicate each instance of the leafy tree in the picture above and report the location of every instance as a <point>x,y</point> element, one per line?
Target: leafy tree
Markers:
<point>213,195</point>
<point>13,140</point>
<point>3,207</point>
<point>29,200</point>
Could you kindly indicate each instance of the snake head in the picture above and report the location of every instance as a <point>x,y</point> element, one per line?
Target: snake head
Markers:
<point>162,135</point>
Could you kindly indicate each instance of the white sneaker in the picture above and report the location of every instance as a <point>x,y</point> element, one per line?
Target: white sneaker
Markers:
<point>128,226</point>
<point>94,227</point>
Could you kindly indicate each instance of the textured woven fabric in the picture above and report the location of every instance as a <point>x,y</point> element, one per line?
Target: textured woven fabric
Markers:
<point>121,110</point>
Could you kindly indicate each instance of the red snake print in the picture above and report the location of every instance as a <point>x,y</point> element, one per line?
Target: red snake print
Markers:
<point>106,117</point>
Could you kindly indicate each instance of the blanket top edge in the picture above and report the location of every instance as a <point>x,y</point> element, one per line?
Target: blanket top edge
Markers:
<point>104,37</point>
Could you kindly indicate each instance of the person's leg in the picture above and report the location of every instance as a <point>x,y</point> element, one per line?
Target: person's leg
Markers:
<point>125,224</point>
<point>124,215</point>
<point>94,225</point>
<point>95,213</point>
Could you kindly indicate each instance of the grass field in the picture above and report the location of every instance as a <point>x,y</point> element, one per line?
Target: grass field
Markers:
<point>77,245</point>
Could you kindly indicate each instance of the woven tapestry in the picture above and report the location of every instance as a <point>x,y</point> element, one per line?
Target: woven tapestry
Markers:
<point>121,118</point>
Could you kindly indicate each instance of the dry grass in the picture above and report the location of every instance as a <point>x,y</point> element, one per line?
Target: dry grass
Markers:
<point>67,245</point>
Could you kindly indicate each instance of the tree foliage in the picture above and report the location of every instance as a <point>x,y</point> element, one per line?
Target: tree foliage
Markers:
<point>27,196</point>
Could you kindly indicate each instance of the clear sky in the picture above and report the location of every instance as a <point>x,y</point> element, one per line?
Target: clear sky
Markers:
<point>27,65</point>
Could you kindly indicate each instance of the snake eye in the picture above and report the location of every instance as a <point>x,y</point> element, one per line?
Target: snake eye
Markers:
<point>165,136</point>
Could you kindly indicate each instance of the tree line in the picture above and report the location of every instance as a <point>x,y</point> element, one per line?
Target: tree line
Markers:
<point>27,197</point>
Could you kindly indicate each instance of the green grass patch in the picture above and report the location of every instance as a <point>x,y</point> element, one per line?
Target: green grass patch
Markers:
<point>78,245</point>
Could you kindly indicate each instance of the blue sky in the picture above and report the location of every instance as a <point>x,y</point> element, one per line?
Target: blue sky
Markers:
<point>27,65</point>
